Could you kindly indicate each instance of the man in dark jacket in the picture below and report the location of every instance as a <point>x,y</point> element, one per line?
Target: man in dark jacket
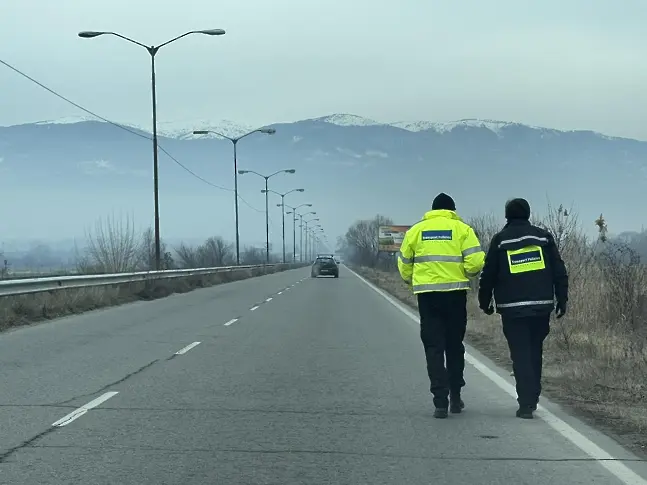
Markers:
<point>526,274</point>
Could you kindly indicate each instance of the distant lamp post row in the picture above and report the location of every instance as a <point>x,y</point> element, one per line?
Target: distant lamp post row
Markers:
<point>295,214</point>
<point>267,209</point>
<point>152,50</point>
<point>282,206</point>
<point>234,141</point>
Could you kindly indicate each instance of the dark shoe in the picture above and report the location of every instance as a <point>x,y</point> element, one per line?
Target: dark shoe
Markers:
<point>525,412</point>
<point>440,413</point>
<point>533,407</point>
<point>456,404</point>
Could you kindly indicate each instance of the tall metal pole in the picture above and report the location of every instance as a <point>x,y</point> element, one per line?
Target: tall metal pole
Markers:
<point>235,142</point>
<point>283,222</point>
<point>307,247</point>
<point>267,223</point>
<point>158,257</point>
<point>294,236</point>
<point>301,242</point>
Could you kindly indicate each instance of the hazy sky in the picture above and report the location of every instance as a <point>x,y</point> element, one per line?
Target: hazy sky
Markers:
<point>564,64</point>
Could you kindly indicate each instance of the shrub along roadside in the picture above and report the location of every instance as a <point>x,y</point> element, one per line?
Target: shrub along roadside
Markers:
<point>26,309</point>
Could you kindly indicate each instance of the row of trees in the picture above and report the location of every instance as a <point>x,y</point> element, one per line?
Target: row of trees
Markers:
<point>114,245</point>
<point>608,279</point>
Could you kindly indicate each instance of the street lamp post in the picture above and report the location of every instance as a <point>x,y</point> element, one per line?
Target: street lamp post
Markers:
<point>306,230</point>
<point>294,229</point>
<point>234,141</point>
<point>282,206</point>
<point>153,50</point>
<point>267,208</point>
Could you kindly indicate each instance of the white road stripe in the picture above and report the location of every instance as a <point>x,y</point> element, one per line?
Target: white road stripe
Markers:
<point>253,308</point>
<point>187,348</point>
<point>77,413</point>
<point>233,320</point>
<point>618,469</point>
<point>280,293</point>
<point>269,299</point>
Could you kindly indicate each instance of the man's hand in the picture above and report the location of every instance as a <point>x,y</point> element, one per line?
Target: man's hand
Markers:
<point>560,310</point>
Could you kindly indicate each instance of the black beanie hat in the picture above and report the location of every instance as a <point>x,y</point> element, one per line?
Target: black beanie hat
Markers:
<point>517,209</point>
<point>443,201</point>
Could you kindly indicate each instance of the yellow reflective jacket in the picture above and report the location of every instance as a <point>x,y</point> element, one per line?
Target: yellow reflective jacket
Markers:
<point>440,253</point>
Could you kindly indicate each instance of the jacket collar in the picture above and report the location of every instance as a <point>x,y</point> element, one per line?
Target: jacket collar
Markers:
<point>447,214</point>
<point>517,222</point>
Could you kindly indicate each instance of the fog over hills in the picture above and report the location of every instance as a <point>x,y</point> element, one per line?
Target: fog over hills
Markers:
<point>59,176</point>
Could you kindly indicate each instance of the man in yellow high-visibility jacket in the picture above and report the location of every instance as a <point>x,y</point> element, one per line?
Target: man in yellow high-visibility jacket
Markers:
<point>437,257</point>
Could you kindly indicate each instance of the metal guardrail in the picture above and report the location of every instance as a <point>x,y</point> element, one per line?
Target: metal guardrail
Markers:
<point>52,283</point>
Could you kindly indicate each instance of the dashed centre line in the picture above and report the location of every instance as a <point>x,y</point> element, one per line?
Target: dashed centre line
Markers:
<point>187,348</point>
<point>269,299</point>
<point>253,308</point>
<point>233,320</point>
<point>77,413</point>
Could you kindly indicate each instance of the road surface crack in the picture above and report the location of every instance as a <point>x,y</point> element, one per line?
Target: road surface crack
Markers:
<point>107,386</point>
<point>292,451</point>
<point>25,444</point>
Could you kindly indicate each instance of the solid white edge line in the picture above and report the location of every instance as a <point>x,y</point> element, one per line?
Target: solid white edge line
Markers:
<point>253,308</point>
<point>618,469</point>
<point>187,348</point>
<point>77,413</point>
<point>233,320</point>
<point>269,299</point>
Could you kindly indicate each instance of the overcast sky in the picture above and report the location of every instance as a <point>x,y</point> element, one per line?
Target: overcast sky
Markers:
<point>563,64</point>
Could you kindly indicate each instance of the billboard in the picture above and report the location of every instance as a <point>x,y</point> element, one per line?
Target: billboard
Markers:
<point>390,238</point>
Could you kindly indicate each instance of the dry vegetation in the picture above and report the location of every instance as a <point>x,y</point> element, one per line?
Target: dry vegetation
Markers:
<point>114,246</point>
<point>596,356</point>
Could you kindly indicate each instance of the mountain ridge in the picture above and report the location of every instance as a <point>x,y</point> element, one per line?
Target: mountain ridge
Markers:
<point>183,129</point>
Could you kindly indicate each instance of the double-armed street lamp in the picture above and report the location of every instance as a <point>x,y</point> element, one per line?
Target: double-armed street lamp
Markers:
<point>294,229</point>
<point>234,141</point>
<point>267,208</point>
<point>153,50</point>
<point>282,206</point>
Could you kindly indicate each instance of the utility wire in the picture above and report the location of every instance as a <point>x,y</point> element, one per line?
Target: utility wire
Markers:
<point>129,130</point>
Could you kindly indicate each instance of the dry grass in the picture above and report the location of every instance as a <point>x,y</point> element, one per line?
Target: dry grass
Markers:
<point>27,309</point>
<point>596,356</point>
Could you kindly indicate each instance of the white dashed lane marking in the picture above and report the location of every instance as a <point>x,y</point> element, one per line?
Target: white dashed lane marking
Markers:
<point>253,308</point>
<point>233,320</point>
<point>187,348</point>
<point>77,413</point>
<point>269,299</point>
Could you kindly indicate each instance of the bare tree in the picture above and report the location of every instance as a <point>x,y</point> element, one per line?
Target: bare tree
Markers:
<point>252,255</point>
<point>146,253</point>
<point>112,247</point>
<point>485,226</point>
<point>189,257</point>
<point>362,239</point>
<point>216,252</point>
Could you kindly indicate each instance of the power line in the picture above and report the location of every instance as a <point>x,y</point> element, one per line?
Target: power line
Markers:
<point>128,129</point>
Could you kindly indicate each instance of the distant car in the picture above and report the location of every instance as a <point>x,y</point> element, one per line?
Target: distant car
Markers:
<point>324,265</point>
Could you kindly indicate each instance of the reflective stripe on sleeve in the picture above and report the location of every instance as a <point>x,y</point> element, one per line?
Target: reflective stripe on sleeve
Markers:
<point>433,258</point>
<point>405,260</point>
<point>476,249</point>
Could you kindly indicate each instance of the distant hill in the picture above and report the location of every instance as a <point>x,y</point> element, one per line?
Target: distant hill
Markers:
<point>59,175</point>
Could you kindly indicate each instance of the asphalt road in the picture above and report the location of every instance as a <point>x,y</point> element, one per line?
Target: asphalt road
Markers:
<point>293,381</point>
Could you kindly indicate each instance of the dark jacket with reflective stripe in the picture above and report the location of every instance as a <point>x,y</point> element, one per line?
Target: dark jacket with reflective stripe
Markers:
<point>524,271</point>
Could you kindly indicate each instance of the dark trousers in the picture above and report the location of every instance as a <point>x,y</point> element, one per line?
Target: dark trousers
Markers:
<point>443,321</point>
<point>525,338</point>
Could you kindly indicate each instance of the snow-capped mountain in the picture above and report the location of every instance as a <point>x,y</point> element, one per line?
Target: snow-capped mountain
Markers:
<point>349,165</point>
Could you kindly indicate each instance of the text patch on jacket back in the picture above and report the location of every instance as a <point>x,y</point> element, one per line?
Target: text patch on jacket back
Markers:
<point>437,235</point>
<point>530,258</point>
